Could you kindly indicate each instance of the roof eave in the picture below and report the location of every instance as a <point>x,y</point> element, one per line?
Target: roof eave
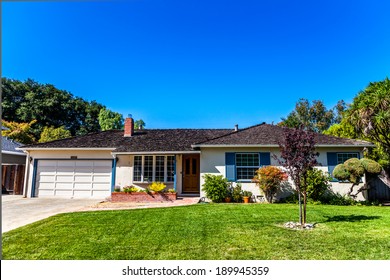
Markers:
<point>64,149</point>
<point>13,153</point>
<point>277,146</point>
<point>156,153</point>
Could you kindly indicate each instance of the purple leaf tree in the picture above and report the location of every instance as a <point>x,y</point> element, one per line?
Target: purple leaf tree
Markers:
<point>298,156</point>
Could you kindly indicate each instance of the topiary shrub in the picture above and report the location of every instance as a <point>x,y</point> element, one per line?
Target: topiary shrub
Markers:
<point>355,168</point>
<point>341,173</point>
<point>371,166</point>
<point>215,187</point>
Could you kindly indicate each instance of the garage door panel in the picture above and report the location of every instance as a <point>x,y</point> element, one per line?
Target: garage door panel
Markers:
<point>47,163</point>
<point>82,193</point>
<point>103,163</point>
<point>64,178</point>
<point>101,178</point>
<point>82,186</point>
<point>47,178</point>
<point>83,178</point>
<point>64,170</point>
<point>102,170</point>
<point>85,163</point>
<point>46,186</point>
<point>84,170</point>
<point>66,163</point>
<point>48,170</point>
<point>99,186</point>
<point>74,178</point>
<point>64,193</point>
<point>64,186</point>
<point>43,193</point>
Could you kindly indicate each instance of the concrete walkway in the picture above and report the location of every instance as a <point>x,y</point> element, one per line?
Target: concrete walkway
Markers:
<point>18,211</point>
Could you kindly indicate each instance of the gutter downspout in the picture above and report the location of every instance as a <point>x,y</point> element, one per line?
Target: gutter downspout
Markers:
<point>113,173</point>
<point>26,174</point>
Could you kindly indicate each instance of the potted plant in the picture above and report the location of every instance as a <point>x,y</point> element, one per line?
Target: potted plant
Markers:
<point>246,195</point>
<point>237,193</point>
<point>229,194</point>
<point>171,193</point>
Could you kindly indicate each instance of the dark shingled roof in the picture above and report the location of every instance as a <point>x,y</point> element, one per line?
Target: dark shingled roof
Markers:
<point>8,145</point>
<point>266,134</point>
<point>169,140</point>
<point>147,140</point>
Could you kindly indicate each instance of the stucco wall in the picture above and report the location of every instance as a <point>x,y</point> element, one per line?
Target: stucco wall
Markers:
<point>212,161</point>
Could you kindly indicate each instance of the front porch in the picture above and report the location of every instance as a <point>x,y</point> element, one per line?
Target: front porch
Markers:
<point>177,170</point>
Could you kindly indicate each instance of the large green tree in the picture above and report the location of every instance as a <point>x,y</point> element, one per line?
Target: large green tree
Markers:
<point>313,116</point>
<point>369,114</point>
<point>29,100</point>
<point>110,120</point>
<point>368,118</point>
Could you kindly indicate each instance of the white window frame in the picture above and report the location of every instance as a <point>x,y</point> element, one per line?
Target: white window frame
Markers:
<point>246,166</point>
<point>355,155</point>
<point>154,158</point>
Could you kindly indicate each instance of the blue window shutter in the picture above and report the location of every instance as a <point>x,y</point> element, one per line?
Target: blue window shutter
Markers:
<point>332,162</point>
<point>265,159</point>
<point>230,163</point>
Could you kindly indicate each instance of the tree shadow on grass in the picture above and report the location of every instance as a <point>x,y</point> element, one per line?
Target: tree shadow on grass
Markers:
<point>350,218</point>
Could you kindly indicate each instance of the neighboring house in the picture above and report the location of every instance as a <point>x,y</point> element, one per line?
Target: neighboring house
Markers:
<point>12,166</point>
<point>92,165</point>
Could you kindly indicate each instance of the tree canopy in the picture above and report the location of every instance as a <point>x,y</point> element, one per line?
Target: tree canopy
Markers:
<point>139,124</point>
<point>19,132</point>
<point>369,114</point>
<point>368,118</point>
<point>110,120</point>
<point>313,116</point>
<point>51,133</point>
<point>26,101</point>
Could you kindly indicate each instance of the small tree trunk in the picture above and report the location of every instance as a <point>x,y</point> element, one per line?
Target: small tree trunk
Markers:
<point>304,207</point>
<point>300,208</point>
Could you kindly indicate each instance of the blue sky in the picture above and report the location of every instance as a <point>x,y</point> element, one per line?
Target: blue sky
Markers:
<point>199,64</point>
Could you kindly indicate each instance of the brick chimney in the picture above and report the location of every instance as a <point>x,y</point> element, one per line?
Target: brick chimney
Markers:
<point>129,126</point>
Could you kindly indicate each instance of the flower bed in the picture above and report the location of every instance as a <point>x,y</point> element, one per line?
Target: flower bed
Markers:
<point>143,197</point>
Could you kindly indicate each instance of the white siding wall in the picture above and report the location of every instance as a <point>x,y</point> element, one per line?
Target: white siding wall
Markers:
<point>212,161</point>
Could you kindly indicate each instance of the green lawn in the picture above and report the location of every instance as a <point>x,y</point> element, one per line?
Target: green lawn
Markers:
<point>206,231</point>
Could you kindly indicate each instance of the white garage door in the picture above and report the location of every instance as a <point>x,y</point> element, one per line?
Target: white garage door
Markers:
<point>74,178</point>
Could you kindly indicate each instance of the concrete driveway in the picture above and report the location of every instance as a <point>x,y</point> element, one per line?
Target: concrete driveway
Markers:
<point>18,211</point>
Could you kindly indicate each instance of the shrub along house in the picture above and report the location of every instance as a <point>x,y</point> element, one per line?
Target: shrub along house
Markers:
<point>92,165</point>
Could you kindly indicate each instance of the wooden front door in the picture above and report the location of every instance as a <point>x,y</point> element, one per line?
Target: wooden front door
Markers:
<point>191,173</point>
